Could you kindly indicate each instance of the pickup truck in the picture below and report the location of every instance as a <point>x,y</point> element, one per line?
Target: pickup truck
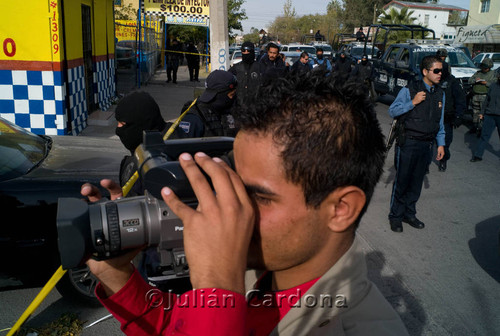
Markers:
<point>401,63</point>
<point>495,57</point>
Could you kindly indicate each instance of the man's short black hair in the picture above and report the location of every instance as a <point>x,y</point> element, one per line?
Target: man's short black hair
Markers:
<point>304,54</point>
<point>319,49</point>
<point>327,131</point>
<point>272,45</point>
<point>428,61</point>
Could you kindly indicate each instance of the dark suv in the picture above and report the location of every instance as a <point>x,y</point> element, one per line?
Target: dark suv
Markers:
<point>400,62</point>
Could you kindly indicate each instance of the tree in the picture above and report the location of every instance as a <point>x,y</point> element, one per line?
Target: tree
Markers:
<point>125,13</point>
<point>235,14</point>
<point>288,9</point>
<point>356,13</point>
<point>289,27</point>
<point>253,36</point>
<point>195,34</point>
<point>394,16</point>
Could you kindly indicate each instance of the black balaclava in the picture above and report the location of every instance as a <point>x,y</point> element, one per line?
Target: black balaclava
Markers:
<point>221,102</point>
<point>248,58</point>
<point>342,57</point>
<point>364,60</point>
<point>140,112</point>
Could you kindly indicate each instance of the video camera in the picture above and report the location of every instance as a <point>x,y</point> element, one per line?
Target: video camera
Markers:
<point>106,229</point>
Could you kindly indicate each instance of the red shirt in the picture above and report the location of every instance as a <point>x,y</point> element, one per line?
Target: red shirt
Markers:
<point>144,310</point>
<point>266,308</point>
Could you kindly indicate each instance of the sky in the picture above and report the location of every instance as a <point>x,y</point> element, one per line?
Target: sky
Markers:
<point>262,12</point>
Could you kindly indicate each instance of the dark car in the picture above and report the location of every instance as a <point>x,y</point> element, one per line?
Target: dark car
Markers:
<point>147,54</point>
<point>36,170</point>
<point>125,56</point>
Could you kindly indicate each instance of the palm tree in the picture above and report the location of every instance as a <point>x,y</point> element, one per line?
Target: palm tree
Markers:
<point>394,16</point>
<point>402,17</point>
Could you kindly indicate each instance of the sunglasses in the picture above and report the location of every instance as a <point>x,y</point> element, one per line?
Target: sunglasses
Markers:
<point>437,70</point>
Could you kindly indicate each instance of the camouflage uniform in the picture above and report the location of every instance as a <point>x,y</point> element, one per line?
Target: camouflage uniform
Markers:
<point>480,90</point>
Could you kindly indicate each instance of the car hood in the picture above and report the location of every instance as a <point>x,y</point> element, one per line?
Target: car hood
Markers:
<point>461,72</point>
<point>76,157</point>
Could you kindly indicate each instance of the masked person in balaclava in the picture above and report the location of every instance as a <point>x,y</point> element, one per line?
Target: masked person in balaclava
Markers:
<point>342,67</point>
<point>135,113</point>
<point>362,72</point>
<point>211,115</point>
<point>320,62</point>
<point>248,73</point>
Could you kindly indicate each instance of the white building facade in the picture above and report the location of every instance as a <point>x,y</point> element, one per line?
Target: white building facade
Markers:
<point>443,19</point>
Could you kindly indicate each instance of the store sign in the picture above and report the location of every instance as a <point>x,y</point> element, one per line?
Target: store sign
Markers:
<point>185,12</point>
<point>478,34</point>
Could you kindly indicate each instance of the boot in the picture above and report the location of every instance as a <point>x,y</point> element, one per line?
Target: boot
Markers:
<point>442,165</point>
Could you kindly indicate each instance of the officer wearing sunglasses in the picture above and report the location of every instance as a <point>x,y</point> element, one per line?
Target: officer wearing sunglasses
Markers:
<point>420,109</point>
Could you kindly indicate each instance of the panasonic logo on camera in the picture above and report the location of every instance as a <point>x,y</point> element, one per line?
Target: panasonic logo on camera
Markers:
<point>179,228</point>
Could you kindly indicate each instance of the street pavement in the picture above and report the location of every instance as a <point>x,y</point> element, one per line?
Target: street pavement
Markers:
<point>442,280</point>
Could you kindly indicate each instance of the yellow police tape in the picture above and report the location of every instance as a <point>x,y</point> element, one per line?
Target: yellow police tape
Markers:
<point>60,272</point>
<point>38,299</point>
<point>183,52</point>
<point>130,183</point>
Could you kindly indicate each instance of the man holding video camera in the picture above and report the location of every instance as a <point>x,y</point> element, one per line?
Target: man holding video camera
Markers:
<point>279,230</point>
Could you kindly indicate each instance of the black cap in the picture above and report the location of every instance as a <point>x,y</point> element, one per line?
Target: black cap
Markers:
<point>217,81</point>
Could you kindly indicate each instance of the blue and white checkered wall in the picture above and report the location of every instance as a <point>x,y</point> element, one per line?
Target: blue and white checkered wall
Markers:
<point>33,100</point>
<point>78,110</point>
<point>104,81</point>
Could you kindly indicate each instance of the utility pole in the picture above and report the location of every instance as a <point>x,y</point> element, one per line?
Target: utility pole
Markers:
<point>219,45</point>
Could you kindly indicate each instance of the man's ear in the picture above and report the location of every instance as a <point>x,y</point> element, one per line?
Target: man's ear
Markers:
<point>342,207</point>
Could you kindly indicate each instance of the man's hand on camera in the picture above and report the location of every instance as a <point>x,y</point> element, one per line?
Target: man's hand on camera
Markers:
<point>94,194</point>
<point>217,234</point>
<point>113,273</point>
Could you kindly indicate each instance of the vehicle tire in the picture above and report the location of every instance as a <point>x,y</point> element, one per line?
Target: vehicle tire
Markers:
<point>78,285</point>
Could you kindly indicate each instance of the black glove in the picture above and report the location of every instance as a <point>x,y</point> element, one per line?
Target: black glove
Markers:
<point>457,122</point>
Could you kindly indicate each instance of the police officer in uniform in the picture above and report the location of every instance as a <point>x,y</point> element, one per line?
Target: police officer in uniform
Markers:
<point>248,73</point>
<point>321,63</point>
<point>343,67</point>
<point>453,111</point>
<point>421,107</point>
<point>211,115</point>
<point>362,72</point>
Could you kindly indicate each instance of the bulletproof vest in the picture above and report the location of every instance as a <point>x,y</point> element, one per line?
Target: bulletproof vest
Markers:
<point>423,121</point>
<point>345,66</point>
<point>364,71</point>
<point>215,124</point>
<point>320,66</point>
<point>249,79</point>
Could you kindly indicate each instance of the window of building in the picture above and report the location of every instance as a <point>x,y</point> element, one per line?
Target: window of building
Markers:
<point>485,6</point>
<point>426,20</point>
